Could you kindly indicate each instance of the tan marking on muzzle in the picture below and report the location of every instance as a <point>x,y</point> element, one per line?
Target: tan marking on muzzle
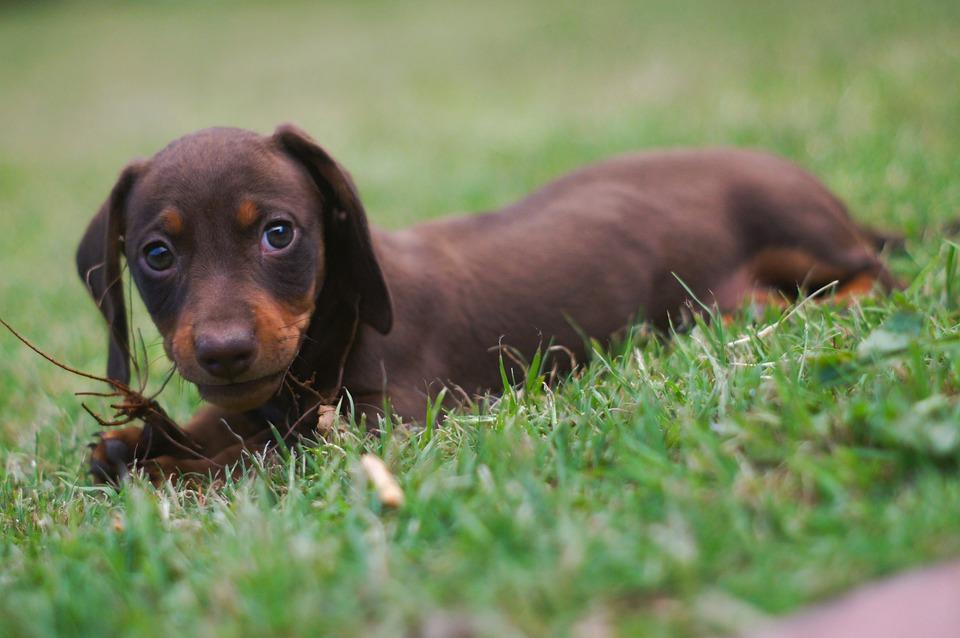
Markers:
<point>279,327</point>
<point>179,345</point>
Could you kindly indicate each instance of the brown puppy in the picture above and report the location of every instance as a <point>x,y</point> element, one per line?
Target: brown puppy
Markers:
<point>254,258</point>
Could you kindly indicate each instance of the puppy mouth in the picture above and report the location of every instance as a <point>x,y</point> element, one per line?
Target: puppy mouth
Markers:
<point>243,395</point>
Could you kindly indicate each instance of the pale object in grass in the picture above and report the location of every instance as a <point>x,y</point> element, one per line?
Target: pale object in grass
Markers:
<point>388,490</point>
<point>326,418</point>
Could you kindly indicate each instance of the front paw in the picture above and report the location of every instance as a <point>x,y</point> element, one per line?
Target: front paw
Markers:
<point>113,455</point>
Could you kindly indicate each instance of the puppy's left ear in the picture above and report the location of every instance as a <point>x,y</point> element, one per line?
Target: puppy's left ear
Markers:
<point>347,237</point>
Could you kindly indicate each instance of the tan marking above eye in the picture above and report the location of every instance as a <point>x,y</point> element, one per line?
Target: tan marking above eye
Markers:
<point>247,213</point>
<point>172,221</point>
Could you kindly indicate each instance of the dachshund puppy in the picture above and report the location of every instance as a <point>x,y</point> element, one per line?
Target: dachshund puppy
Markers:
<point>273,295</point>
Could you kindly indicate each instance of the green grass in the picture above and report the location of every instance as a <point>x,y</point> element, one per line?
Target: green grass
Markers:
<point>669,489</point>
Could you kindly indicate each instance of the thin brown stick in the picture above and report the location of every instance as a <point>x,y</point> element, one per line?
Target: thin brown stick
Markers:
<point>135,405</point>
<point>115,384</point>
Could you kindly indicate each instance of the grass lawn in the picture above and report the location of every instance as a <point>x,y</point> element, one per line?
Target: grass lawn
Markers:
<point>677,488</point>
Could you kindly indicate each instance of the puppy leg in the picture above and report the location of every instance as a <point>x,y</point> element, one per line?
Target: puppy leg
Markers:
<point>216,429</point>
<point>227,457</point>
<point>213,429</point>
<point>756,298</point>
<point>859,286</point>
<point>163,468</point>
<point>112,454</point>
<point>775,276</point>
<point>790,270</point>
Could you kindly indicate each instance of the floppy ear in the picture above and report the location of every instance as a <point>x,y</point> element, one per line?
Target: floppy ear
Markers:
<point>98,263</point>
<point>347,240</point>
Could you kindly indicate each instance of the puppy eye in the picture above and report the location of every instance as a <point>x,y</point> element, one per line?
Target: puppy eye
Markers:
<point>277,235</point>
<point>158,256</point>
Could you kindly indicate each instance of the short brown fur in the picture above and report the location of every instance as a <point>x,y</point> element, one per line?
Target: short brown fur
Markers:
<point>350,311</point>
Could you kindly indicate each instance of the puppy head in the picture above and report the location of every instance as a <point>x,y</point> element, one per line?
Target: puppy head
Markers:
<point>230,237</point>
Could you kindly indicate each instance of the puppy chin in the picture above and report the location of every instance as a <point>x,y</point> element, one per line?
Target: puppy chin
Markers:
<point>240,397</point>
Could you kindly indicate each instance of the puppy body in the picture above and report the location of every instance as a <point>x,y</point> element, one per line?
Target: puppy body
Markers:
<point>592,252</point>
<point>398,315</point>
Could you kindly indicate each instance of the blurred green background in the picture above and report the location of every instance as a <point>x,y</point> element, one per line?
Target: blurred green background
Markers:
<point>437,107</point>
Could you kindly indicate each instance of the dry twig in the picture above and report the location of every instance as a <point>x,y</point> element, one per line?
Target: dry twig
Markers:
<point>133,405</point>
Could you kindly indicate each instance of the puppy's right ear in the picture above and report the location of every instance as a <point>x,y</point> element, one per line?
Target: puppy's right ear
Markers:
<point>98,263</point>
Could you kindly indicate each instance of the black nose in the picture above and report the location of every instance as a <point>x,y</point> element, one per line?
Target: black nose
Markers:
<point>225,354</point>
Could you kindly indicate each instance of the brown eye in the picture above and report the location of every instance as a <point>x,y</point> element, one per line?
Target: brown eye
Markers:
<point>277,235</point>
<point>158,256</point>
